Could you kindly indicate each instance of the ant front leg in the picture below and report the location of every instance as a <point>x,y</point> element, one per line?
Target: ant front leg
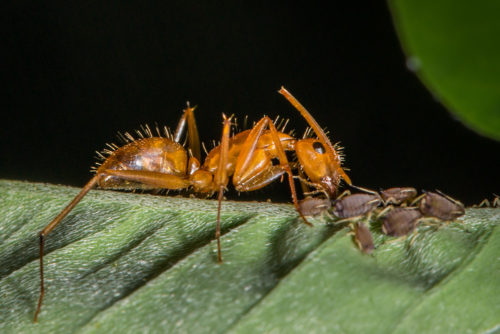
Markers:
<point>254,168</point>
<point>306,185</point>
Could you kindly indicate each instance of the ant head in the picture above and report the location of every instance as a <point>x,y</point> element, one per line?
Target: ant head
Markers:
<point>318,164</point>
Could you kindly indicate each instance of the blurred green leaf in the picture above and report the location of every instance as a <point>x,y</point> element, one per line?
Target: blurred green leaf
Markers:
<point>128,263</point>
<point>454,48</point>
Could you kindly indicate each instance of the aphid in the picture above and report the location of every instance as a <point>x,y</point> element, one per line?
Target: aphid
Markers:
<point>363,238</point>
<point>398,195</point>
<point>355,205</point>
<point>399,222</point>
<point>353,208</point>
<point>441,206</point>
<point>314,206</point>
<point>253,158</point>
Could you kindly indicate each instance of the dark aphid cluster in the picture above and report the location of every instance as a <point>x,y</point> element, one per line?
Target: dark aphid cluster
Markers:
<point>350,208</point>
<point>435,206</point>
<point>398,209</point>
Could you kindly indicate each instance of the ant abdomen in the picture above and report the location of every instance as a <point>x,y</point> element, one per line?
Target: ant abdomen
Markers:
<point>155,154</point>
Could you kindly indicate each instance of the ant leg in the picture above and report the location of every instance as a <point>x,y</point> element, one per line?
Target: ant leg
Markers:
<point>221,178</point>
<point>323,138</point>
<point>192,135</point>
<point>181,125</point>
<point>249,150</point>
<point>43,234</point>
<point>154,179</point>
<point>305,184</point>
<point>286,166</point>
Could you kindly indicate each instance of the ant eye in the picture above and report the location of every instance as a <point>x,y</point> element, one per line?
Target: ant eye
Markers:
<point>318,147</point>
<point>275,161</point>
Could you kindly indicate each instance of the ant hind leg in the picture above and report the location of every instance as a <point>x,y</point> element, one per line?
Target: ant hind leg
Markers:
<point>192,131</point>
<point>221,178</point>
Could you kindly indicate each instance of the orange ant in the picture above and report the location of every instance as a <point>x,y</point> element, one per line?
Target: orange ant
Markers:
<point>162,163</point>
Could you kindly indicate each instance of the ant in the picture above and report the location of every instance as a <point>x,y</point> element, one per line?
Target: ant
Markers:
<point>153,163</point>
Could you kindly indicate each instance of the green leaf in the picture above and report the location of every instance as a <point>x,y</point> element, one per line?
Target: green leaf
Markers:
<point>129,263</point>
<point>454,48</point>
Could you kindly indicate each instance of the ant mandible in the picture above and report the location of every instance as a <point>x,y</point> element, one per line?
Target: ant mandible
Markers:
<point>162,163</point>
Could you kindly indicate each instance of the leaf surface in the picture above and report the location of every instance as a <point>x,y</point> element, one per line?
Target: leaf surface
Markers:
<point>128,263</point>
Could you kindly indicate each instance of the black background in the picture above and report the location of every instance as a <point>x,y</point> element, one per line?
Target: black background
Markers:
<point>76,73</point>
